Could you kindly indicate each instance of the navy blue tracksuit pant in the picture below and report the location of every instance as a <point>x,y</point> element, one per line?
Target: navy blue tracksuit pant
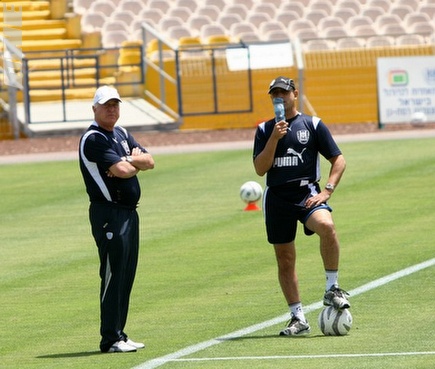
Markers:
<point>116,233</point>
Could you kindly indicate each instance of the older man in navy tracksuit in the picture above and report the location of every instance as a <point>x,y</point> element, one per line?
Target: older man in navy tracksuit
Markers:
<point>110,159</point>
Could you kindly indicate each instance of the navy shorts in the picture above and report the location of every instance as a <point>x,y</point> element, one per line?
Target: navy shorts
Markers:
<point>284,207</point>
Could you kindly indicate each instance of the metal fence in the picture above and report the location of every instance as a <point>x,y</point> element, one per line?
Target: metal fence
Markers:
<point>71,74</point>
<point>173,64</point>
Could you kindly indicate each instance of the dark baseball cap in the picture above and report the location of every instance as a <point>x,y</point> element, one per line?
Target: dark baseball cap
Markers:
<point>282,82</point>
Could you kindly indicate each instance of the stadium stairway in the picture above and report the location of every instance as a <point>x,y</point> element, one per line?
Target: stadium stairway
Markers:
<point>47,29</point>
<point>42,25</point>
<point>136,115</point>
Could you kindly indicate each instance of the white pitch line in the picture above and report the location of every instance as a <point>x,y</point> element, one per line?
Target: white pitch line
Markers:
<point>154,363</point>
<point>296,357</point>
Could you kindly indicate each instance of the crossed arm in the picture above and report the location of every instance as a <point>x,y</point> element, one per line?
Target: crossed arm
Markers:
<point>124,169</point>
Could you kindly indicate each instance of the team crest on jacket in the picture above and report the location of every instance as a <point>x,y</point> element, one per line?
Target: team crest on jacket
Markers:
<point>303,136</point>
<point>124,144</point>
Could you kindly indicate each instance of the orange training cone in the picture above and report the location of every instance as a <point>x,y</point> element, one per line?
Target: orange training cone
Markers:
<point>252,206</point>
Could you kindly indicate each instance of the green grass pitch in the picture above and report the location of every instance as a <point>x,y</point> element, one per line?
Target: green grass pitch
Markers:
<point>206,270</point>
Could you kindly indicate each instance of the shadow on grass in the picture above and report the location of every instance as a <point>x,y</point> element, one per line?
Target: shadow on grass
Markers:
<point>70,354</point>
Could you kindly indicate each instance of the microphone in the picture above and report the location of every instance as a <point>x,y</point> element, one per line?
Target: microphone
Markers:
<point>278,107</point>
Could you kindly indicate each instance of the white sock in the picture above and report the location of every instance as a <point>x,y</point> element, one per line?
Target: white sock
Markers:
<point>297,311</point>
<point>331,278</point>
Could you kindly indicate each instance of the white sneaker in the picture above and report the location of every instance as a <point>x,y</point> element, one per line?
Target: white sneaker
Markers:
<point>295,327</point>
<point>138,345</point>
<point>336,297</point>
<point>121,346</point>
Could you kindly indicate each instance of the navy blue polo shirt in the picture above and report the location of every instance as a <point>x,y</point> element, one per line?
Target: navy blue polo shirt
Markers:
<point>297,153</point>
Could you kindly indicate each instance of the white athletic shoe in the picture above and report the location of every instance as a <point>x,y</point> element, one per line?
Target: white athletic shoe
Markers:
<point>295,328</point>
<point>336,297</point>
<point>138,345</point>
<point>121,346</point>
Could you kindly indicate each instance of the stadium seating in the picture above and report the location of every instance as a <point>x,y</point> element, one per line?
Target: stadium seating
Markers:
<point>413,18</point>
<point>181,12</point>
<point>306,19</point>
<point>82,6</point>
<point>265,8</point>
<point>163,5</point>
<point>356,18</point>
<point>257,19</point>
<point>276,35</point>
<point>379,41</point>
<point>401,10</point>
<point>243,27</point>
<point>383,4</point>
<point>213,29</point>
<point>237,8</point>
<point>92,22</point>
<point>334,33</point>
<point>318,45</point>
<point>248,37</point>
<point>345,14</point>
<point>351,15</point>
<point>350,43</point>
<point>211,11</point>
<point>196,22</point>
<point>190,4</point>
<point>102,6</point>
<point>227,20</point>
<point>114,26</point>
<point>355,5</point>
<point>287,16</point>
<point>424,29</point>
<point>413,4</point>
<point>329,22</point>
<point>364,31</point>
<point>125,16</point>
<point>325,5</point>
<point>316,15</point>
<point>134,6</point>
<point>392,29</point>
<point>298,8</point>
<point>178,32</point>
<point>167,22</point>
<point>428,9</point>
<point>219,3</point>
<point>410,40</point>
<point>372,12</point>
<point>38,30</point>
<point>319,24</point>
<point>114,38</point>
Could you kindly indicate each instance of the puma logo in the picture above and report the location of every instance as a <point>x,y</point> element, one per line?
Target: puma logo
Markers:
<point>290,151</point>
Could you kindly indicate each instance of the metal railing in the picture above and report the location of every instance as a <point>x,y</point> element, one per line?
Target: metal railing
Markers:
<point>165,47</point>
<point>59,73</point>
<point>12,57</point>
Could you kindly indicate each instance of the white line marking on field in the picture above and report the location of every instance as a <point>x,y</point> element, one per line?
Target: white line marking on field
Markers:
<point>293,357</point>
<point>154,363</point>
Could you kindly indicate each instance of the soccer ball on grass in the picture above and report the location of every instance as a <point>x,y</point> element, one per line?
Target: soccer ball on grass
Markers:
<point>333,322</point>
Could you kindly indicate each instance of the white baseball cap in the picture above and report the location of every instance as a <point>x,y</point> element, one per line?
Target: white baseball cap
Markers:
<point>106,93</point>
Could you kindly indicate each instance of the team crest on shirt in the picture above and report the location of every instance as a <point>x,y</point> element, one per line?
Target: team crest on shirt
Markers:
<point>125,147</point>
<point>303,136</point>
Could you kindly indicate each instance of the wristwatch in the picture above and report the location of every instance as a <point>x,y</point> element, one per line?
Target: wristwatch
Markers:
<point>330,187</point>
<point>129,159</point>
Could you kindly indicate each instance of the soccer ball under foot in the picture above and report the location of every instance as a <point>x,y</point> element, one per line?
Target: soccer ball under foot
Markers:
<point>333,322</point>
